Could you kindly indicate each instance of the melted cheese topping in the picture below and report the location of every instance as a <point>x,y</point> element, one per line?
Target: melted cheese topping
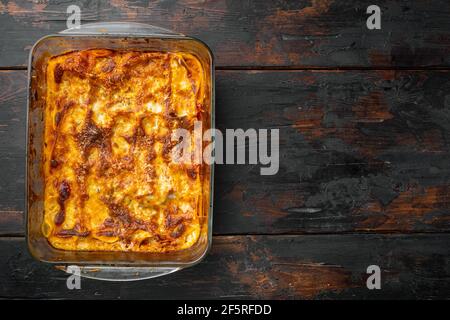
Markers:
<point>110,184</point>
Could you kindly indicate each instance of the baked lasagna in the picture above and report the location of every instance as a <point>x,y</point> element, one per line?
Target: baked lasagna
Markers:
<point>110,182</point>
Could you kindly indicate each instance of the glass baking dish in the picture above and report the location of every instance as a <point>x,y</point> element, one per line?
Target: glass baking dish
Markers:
<point>113,266</point>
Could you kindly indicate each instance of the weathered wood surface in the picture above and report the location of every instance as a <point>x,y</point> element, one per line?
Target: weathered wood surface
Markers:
<point>359,151</point>
<point>311,33</point>
<point>263,267</point>
<point>362,152</point>
<point>12,151</point>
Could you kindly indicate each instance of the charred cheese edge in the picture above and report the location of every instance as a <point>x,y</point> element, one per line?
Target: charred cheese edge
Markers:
<point>110,184</point>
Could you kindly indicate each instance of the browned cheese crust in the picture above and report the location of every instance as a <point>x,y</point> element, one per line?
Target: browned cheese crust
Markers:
<point>110,183</point>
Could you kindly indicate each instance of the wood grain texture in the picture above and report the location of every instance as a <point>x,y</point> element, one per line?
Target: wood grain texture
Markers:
<point>262,267</point>
<point>311,33</point>
<point>12,151</point>
<point>364,154</point>
<point>359,151</point>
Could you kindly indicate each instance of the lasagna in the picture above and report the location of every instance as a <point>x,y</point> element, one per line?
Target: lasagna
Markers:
<point>110,182</point>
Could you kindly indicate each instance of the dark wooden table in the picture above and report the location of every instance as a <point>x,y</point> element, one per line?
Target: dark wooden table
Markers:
<point>364,119</point>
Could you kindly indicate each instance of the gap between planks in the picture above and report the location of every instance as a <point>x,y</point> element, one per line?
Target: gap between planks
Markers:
<point>295,68</point>
<point>295,234</point>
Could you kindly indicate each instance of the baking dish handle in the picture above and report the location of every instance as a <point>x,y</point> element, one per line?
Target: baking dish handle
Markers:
<point>120,28</point>
<point>118,273</point>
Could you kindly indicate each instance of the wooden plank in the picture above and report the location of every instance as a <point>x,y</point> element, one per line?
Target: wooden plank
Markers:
<point>12,151</point>
<point>365,151</point>
<point>359,151</point>
<point>262,267</point>
<point>12,223</point>
<point>318,33</point>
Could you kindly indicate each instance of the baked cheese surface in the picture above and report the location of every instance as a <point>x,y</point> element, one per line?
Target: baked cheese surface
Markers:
<point>110,183</point>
